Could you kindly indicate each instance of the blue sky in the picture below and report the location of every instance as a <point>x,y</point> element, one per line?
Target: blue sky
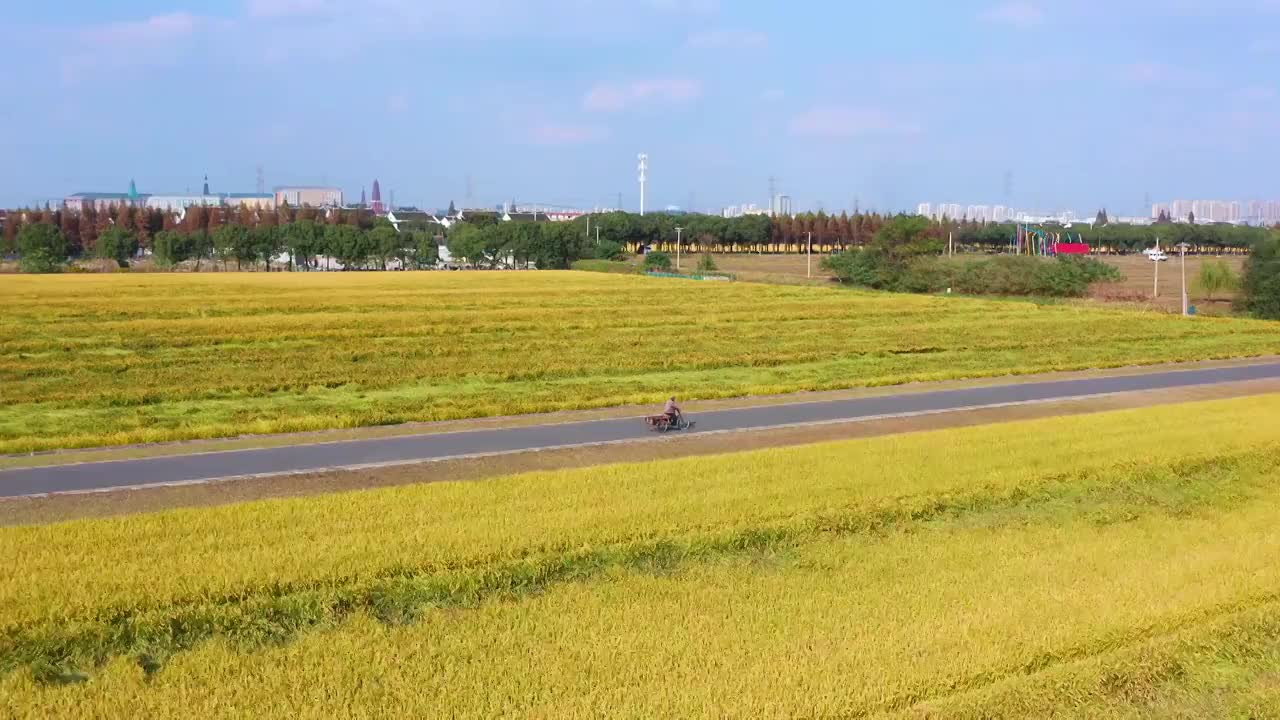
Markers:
<point>1084,103</point>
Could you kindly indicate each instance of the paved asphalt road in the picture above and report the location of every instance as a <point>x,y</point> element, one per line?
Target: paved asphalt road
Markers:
<point>407,449</point>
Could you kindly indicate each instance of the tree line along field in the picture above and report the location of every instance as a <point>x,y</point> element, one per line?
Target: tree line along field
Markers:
<point>1068,564</point>
<point>116,359</point>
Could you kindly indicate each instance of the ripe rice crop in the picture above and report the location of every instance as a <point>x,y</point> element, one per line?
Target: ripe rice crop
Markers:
<point>94,360</point>
<point>1098,564</point>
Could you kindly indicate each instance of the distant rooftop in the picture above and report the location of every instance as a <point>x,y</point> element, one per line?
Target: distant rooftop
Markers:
<point>103,196</point>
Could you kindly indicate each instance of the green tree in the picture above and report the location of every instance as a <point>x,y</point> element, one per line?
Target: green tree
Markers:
<point>657,261</point>
<point>426,250</point>
<point>386,243</point>
<point>1215,277</point>
<point>304,240</point>
<point>905,237</point>
<point>41,248</point>
<point>706,264</point>
<point>170,247</point>
<point>1260,287</point>
<point>609,250</point>
<point>118,244</point>
<point>348,245</point>
<point>467,241</point>
<point>200,246</point>
<point>265,242</point>
<point>229,241</point>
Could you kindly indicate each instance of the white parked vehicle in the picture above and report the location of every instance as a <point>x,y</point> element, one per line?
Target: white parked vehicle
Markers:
<point>1155,254</point>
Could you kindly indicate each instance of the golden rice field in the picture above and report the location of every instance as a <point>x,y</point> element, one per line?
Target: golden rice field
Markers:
<point>91,360</point>
<point>1121,564</point>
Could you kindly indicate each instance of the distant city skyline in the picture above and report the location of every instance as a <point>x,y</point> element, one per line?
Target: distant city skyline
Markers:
<point>1265,211</point>
<point>549,101</point>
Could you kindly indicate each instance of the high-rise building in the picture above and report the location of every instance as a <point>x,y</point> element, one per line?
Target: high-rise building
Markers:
<point>309,196</point>
<point>924,209</point>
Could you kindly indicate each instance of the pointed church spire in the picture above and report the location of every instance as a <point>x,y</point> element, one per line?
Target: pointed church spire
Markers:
<point>206,184</point>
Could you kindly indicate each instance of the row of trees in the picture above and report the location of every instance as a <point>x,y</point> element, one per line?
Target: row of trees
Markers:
<point>906,255</point>
<point>43,247</point>
<point>356,238</point>
<point>1260,288</point>
<point>1118,238</point>
<point>81,230</point>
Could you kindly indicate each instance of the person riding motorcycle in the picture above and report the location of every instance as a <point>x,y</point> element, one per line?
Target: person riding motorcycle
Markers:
<point>672,410</point>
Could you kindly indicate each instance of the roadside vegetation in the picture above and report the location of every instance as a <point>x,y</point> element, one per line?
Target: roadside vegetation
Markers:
<point>100,360</point>
<point>616,267</point>
<point>986,571</point>
<point>1261,283</point>
<point>905,257</point>
<point>246,238</point>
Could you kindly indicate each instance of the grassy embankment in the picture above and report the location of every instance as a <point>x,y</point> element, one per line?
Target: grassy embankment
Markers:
<point>118,359</point>
<point>1118,563</point>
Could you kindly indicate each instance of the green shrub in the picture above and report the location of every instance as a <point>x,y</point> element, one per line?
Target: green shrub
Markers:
<point>609,250</point>
<point>659,261</point>
<point>604,266</point>
<point>1065,276</point>
<point>116,243</point>
<point>707,264</point>
<point>866,268</point>
<point>1260,288</point>
<point>41,248</point>
<point>1216,277</point>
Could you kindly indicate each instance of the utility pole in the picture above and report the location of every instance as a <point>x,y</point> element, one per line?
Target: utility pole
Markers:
<point>1155,287</point>
<point>644,168</point>
<point>809,257</point>
<point>678,230</point>
<point>597,235</point>
<point>1182,250</point>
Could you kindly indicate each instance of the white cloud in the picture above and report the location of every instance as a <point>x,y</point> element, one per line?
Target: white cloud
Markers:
<point>1167,77</point>
<point>836,122</point>
<point>615,97</point>
<point>728,40</point>
<point>1018,13</point>
<point>158,28</point>
<point>1265,46</point>
<point>555,134</point>
<point>1258,93</point>
<point>112,46</point>
<point>1147,72</point>
<point>290,8</point>
<point>698,7</point>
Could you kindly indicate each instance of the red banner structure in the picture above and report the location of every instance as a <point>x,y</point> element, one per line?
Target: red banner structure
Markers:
<point>1071,248</point>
